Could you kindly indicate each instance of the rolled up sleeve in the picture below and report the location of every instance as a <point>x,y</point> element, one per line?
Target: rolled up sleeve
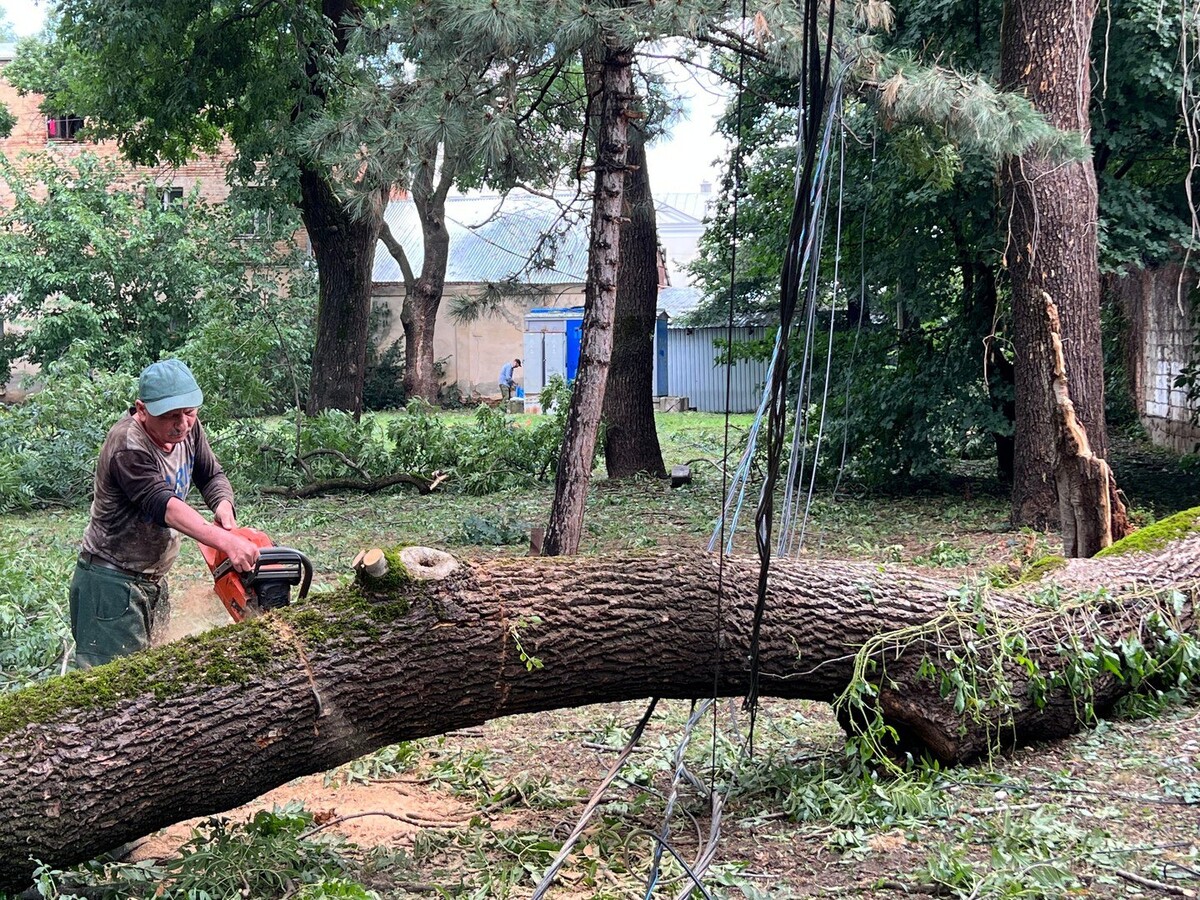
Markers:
<point>208,475</point>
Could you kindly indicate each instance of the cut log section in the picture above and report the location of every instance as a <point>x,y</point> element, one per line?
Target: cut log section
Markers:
<point>100,757</point>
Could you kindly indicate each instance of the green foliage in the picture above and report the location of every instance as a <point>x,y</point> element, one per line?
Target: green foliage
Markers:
<point>120,68</point>
<point>492,531</point>
<point>919,292</point>
<point>48,444</point>
<point>489,452</point>
<point>918,210</point>
<point>988,667</point>
<point>1027,856</point>
<point>842,793</point>
<point>34,632</point>
<point>383,385</point>
<point>251,348</point>
<point>271,855</point>
<point>392,760</point>
<point>86,259</point>
<point>963,110</point>
<point>514,632</point>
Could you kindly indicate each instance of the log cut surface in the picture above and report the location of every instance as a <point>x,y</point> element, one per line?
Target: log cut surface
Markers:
<point>100,757</point>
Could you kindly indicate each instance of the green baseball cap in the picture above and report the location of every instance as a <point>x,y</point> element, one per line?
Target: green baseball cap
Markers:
<point>167,385</point>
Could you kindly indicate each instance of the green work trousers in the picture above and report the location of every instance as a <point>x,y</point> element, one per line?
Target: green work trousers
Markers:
<point>113,613</point>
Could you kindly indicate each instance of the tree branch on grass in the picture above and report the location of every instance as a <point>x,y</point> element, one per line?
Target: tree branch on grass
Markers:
<point>366,486</point>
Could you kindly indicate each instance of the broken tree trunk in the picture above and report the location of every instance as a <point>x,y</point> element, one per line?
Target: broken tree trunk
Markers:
<point>103,756</point>
<point>1090,509</point>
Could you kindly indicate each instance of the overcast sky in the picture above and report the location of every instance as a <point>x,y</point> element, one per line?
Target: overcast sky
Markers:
<point>679,163</point>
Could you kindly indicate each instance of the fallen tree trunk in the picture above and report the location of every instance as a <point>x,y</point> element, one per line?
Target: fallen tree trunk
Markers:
<point>102,756</point>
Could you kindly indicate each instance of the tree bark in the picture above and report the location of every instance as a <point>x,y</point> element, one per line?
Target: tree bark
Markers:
<point>565,528</point>
<point>423,297</point>
<point>344,248</point>
<point>1044,53</point>
<point>630,436</point>
<point>106,755</point>
<point>343,244</point>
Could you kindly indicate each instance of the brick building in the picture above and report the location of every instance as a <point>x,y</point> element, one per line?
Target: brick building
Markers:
<point>36,132</point>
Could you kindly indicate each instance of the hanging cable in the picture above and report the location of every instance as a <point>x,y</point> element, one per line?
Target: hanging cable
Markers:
<point>862,306</point>
<point>824,405</point>
<point>814,94</point>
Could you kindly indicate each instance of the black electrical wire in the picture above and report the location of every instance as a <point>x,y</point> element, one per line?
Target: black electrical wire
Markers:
<point>814,84</point>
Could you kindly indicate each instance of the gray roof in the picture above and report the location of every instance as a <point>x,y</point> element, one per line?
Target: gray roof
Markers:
<point>493,238</point>
<point>691,205</point>
<point>678,301</point>
<point>8,52</point>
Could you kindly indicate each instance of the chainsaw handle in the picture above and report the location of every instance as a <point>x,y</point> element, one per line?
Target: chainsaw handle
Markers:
<point>271,555</point>
<point>274,556</point>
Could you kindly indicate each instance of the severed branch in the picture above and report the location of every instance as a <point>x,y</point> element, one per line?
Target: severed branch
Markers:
<point>366,486</point>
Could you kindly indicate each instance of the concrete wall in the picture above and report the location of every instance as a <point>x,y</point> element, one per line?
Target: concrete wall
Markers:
<point>1163,329</point>
<point>475,351</point>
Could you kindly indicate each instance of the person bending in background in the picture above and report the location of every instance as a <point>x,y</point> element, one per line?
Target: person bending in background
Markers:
<point>147,465</point>
<point>507,384</point>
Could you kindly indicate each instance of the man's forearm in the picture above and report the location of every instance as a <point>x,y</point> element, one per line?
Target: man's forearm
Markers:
<point>184,519</point>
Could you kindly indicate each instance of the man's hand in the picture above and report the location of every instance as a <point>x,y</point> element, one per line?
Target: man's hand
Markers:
<point>224,517</point>
<point>243,554</point>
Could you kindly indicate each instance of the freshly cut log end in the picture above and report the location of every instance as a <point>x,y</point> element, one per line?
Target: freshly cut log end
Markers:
<point>371,562</point>
<point>427,564</point>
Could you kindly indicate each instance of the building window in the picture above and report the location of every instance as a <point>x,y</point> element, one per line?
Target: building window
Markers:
<point>163,197</point>
<point>63,128</point>
<point>257,223</point>
<point>255,215</point>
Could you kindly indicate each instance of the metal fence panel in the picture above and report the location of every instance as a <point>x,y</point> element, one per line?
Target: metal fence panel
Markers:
<point>694,371</point>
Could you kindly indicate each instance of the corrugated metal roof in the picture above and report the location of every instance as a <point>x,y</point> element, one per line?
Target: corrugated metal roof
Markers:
<point>678,301</point>
<point>493,238</point>
<point>692,204</point>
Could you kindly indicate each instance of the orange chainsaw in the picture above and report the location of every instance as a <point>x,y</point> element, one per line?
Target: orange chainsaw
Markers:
<point>267,586</point>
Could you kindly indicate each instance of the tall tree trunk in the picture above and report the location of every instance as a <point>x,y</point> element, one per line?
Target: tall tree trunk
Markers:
<point>565,528</point>
<point>102,756</point>
<point>1044,53</point>
<point>630,436</point>
<point>344,247</point>
<point>423,297</point>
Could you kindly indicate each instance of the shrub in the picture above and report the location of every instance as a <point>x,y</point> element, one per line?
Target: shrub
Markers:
<point>86,260</point>
<point>48,444</point>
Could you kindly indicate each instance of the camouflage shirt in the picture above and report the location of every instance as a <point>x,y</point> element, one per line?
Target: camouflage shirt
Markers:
<point>135,478</point>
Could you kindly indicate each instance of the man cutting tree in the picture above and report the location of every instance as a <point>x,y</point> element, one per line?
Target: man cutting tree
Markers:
<point>147,465</point>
